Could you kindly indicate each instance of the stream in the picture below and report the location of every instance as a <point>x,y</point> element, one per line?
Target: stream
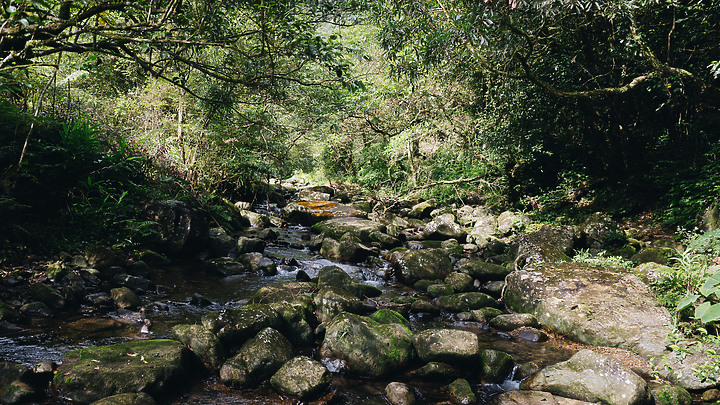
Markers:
<point>185,293</point>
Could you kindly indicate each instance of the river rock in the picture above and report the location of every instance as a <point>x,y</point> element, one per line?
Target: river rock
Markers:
<point>484,229</point>
<point>125,298</point>
<point>260,263</point>
<point>35,309</point>
<point>331,301</point>
<point>423,209</point>
<point>348,249</point>
<point>8,313</point>
<point>312,212</point>
<point>10,372</point>
<point>660,255</point>
<point>134,283</point>
<point>595,305</point>
<point>301,377</point>
<point>461,393</point>
<point>103,257</point>
<point>460,282</point>
<point>93,373</point>
<point>280,292</point>
<point>234,326</point>
<point>428,264</point>
<point>179,227</point>
<point>389,316</point>
<point>533,398</point>
<point>652,272</point>
<point>297,316</point>
<point>364,230</point>
<point>481,270</point>
<point>601,232</point>
<point>436,371</point>
<point>509,222</point>
<point>593,377</point>
<point>447,345</point>
<point>360,345</point>
<point>247,245</point>
<point>140,398</point>
<point>680,367</point>
<point>398,393</point>
<point>202,342</point>
<point>220,242</point>
<point>440,290</point>
<point>225,266</point>
<point>444,227</point>
<point>19,391</point>
<point>513,321</point>
<point>496,365</point>
<point>47,295</point>
<point>564,238</point>
<point>258,359</point>
<point>464,302</point>
<point>256,220</point>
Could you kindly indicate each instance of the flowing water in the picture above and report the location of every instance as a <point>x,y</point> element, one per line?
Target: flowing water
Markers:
<point>186,293</point>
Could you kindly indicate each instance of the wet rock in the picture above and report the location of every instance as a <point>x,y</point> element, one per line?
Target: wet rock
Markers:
<point>125,298</point>
<point>247,245</point>
<point>509,222</point>
<point>8,313</point>
<point>444,227</point>
<point>225,266</point>
<point>308,194</point>
<point>436,371</point>
<point>220,242</point>
<point>10,372</point>
<point>331,301</point>
<point>18,391</point>
<point>592,377</point>
<point>301,377</point>
<point>47,295</point>
<point>670,395</point>
<point>364,230</point>
<point>365,347</point>
<point>530,334</point>
<point>179,227</point>
<point>533,398</point>
<point>258,359</point>
<point>484,229</point>
<point>268,234</point>
<point>202,342</point>
<point>496,365</point>
<point>526,370</point>
<point>260,263</point>
<point>93,373</point>
<point>465,302</point>
<point>711,395</point>
<point>134,283</point>
<point>595,305</point>
<point>311,212</point>
<point>35,309</point>
<point>429,264</point>
<point>398,393</point>
<point>296,318</point>
<point>513,321</point>
<point>256,220</point>
<point>139,398</point>
<point>389,316</point>
<point>482,270</point>
<point>280,292</point>
<point>424,306</point>
<point>235,325</point>
<point>460,282</point>
<point>138,268</point>
<point>348,249</point>
<point>538,253</point>
<point>469,215</point>
<point>423,209</point>
<point>440,290</point>
<point>153,258</point>
<point>660,255</point>
<point>461,393</point>
<point>680,367</point>
<point>447,345</point>
<point>494,288</point>
<point>55,271</point>
<point>563,238</point>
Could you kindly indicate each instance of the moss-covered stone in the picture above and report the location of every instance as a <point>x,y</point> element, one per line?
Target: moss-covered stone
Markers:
<point>47,295</point>
<point>93,373</point>
<point>366,347</point>
<point>7,313</point>
<point>430,264</point>
<point>461,393</point>
<point>140,398</point>
<point>297,317</point>
<point>496,365</point>
<point>460,282</point>
<point>440,290</point>
<point>670,395</point>
<point>436,371</point>
<point>660,255</point>
<point>202,342</point>
<point>389,316</point>
<point>482,270</point>
<point>465,302</point>
<point>301,377</point>
<point>281,292</point>
<point>447,345</point>
<point>258,359</point>
<point>331,301</point>
<point>235,325</point>
<point>125,298</point>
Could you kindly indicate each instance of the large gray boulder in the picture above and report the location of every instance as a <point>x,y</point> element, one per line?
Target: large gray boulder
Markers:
<point>365,231</point>
<point>92,373</point>
<point>444,227</point>
<point>301,377</point>
<point>202,342</point>
<point>360,345</point>
<point>258,359</point>
<point>564,238</point>
<point>592,304</point>
<point>311,212</point>
<point>593,377</point>
<point>484,229</point>
<point>533,398</point>
<point>234,326</point>
<point>447,346</point>
<point>331,301</point>
<point>424,264</point>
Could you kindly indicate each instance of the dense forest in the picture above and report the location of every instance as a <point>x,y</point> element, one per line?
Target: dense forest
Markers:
<point>559,108</point>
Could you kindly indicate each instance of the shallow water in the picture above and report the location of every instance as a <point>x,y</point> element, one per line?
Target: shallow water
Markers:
<point>49,339</point>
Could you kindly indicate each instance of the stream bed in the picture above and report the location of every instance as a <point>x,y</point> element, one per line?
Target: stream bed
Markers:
<point>185,292</point>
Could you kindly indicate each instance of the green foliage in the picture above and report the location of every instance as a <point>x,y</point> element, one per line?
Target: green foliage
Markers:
<point>602,259</point>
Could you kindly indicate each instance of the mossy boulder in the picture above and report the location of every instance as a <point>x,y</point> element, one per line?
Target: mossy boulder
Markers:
<point>461,393</point>
<point>460,282</point>
<point>234,326</point>
<point>258,359</point>
<point>202,342</point>
<point>331,301</point>
<point>301,377</point>
<point>8,313</point>
<point>481,270</point>
<point>225,266</point>
<point>496,365</point>
<point>440,290</point>
<point>389,316</point>
<point>670,395</point>
<point>247,245</point>
<point>297,317</point>
<point>436,371</point>
<point>513,321</point>
<point>365,347</point>
<point>364,230</point>
<point>348,249</point>
<point>465,302</point>
<point>660,255</point>
<point>125,298</point>
<point>47,295</point>
<point>92,373</point>
<point>280,292</point>
<point>447,345</point>
<point>428,264</point>
<point>444,227</point>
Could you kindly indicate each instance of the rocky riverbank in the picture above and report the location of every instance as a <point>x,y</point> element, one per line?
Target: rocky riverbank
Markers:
<point>475,269</point>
